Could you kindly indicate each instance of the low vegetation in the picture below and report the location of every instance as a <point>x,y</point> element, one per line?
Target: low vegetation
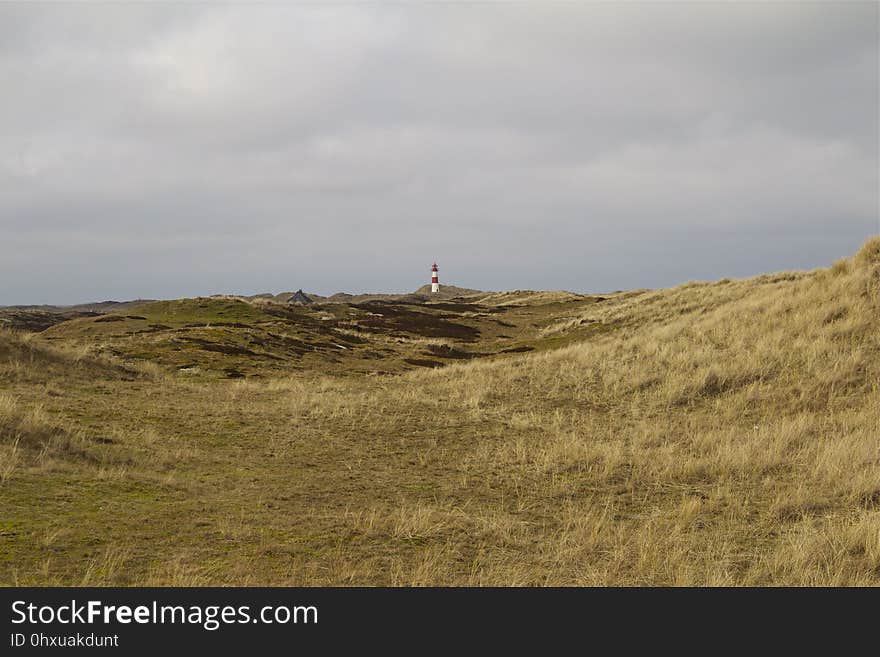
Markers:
<point>710,434</point>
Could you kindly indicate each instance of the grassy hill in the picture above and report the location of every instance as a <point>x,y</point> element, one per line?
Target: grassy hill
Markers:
<point>712,433</point>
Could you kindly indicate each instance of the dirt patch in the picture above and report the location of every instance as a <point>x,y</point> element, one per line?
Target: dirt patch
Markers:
<point>298,347</point>
<point>422,363</point>
<point>216,324</point>
<point>448,351</point>
<point>456,307</point>
<point>393,317</point>
<point>231,350</point>
<point>350,339</point>
<point>516,350</point>
<point>152,328</point>
<point>36,321</point>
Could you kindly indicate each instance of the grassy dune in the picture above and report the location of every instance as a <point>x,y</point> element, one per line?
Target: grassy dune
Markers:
<point>712,433</point>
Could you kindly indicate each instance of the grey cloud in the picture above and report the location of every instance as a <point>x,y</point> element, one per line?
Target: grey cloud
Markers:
<point>160,150</point>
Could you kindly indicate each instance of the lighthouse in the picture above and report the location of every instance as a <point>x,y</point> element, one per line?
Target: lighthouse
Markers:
<point>435,282</point>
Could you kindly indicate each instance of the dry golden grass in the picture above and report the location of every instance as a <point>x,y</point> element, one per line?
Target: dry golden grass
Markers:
<point>710,434</point>
<point>527,297</point>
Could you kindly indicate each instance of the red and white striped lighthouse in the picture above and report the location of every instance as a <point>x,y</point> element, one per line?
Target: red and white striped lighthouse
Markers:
<point>435,282</point>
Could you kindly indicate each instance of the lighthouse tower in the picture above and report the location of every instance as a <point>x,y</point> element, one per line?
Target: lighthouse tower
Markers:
<point>435,282</point>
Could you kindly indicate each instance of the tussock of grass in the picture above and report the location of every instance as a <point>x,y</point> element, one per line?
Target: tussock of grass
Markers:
<point>30,438</point>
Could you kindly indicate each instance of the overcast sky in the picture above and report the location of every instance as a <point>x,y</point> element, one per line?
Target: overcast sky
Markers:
<point>177,150</point>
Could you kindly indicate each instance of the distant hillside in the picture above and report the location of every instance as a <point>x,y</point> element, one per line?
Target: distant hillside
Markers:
<point>419,296</point>
<point>447,292</point>
<point>239,337</point>
<point>92,307</point>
